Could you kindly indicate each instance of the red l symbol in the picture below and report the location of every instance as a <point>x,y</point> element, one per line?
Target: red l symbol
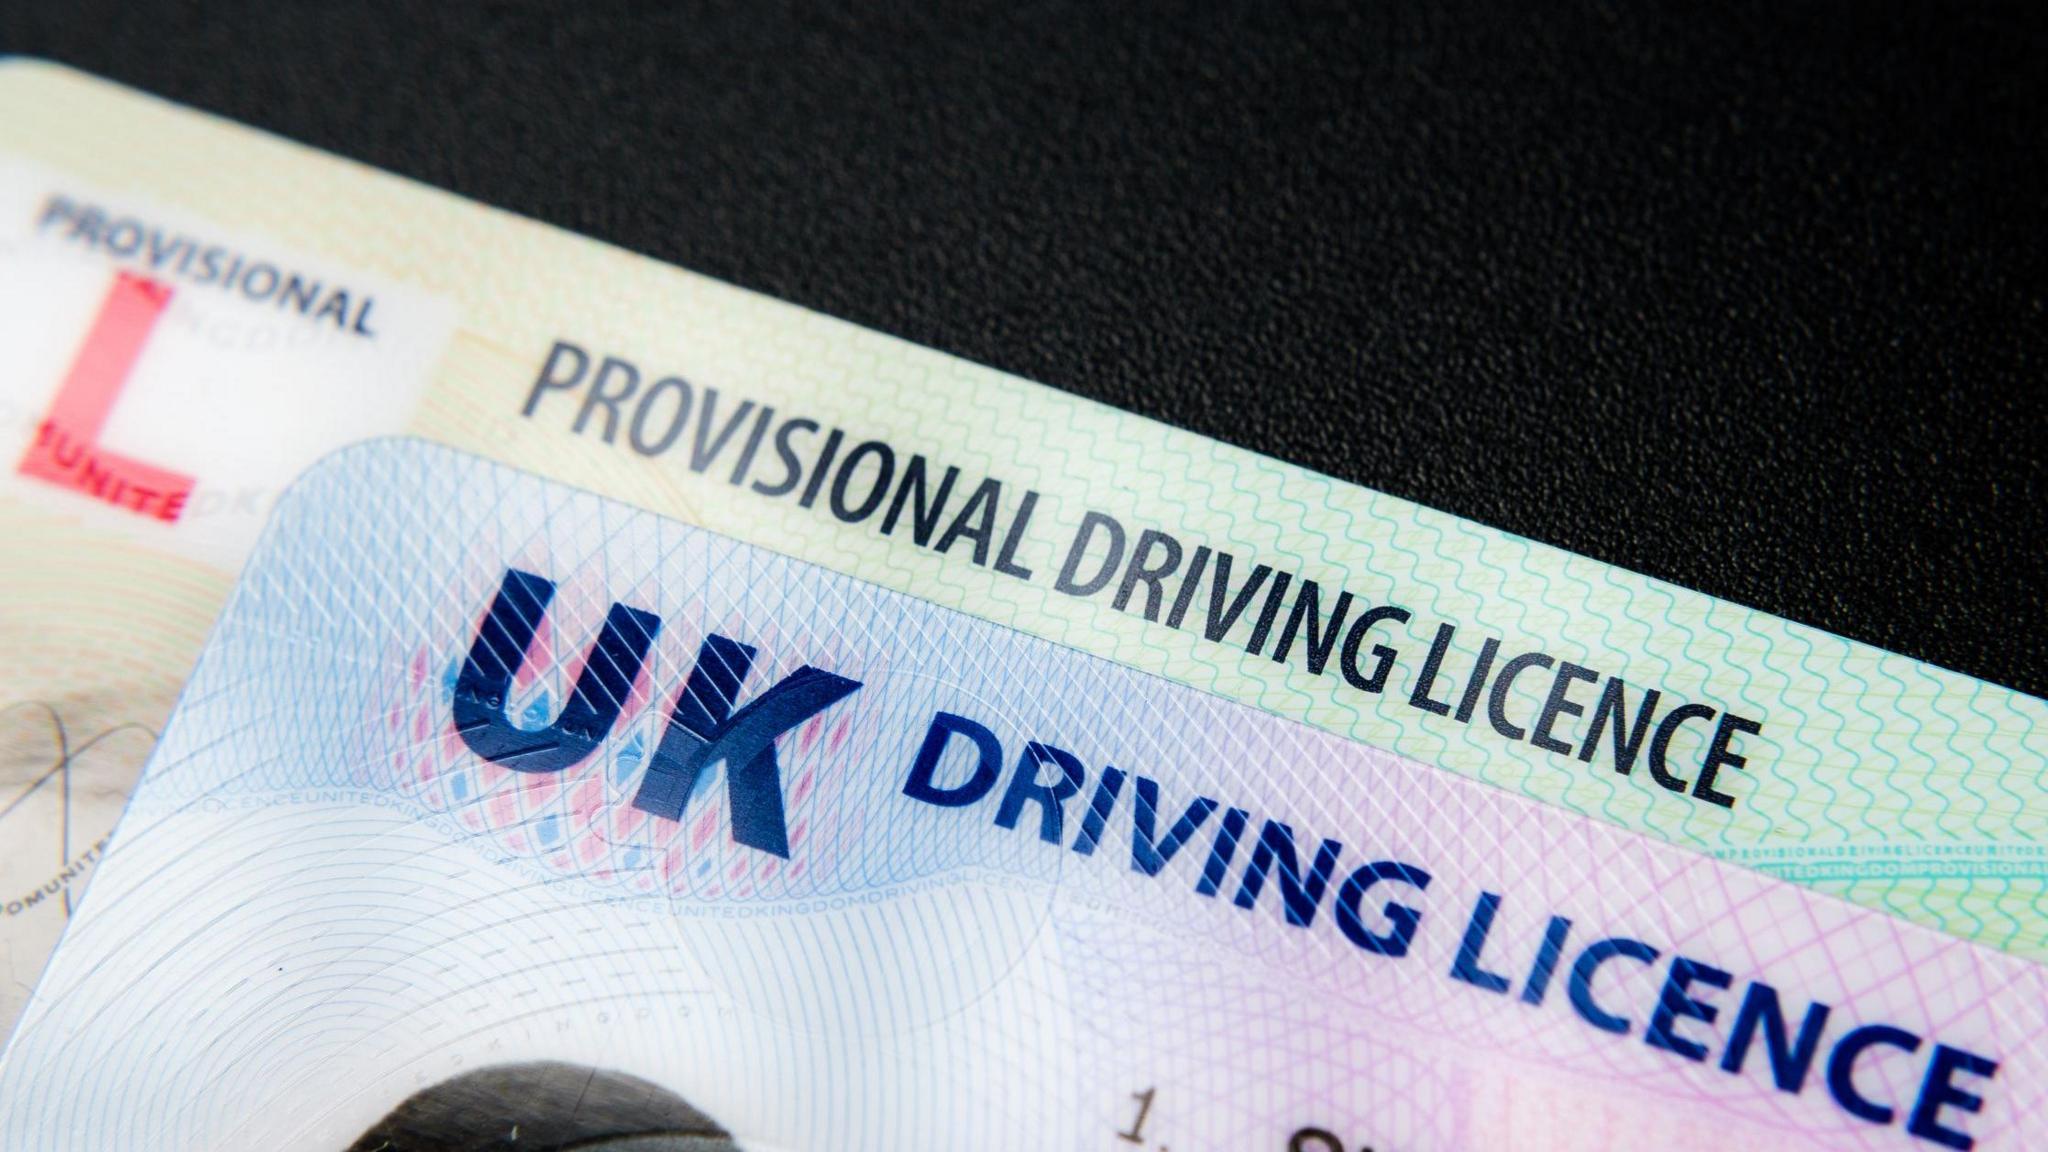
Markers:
<point>66,450</point>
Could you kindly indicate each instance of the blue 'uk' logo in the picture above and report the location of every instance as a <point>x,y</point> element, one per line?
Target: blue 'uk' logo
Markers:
<point>703,727</point>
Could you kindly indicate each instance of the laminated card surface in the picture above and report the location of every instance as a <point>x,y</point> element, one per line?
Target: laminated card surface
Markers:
<point>192,312</point>
<point>484,782</point>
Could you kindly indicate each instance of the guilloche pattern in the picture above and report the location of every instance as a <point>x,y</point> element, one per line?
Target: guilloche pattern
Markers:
<point>1030,898</point>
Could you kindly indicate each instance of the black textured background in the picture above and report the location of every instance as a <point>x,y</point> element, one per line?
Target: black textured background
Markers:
<point>1746,296</point>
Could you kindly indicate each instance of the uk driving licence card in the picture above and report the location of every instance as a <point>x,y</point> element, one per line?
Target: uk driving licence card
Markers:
<point>485,783</point>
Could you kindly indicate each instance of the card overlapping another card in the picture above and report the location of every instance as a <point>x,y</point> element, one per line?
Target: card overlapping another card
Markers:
<point>486,781</point>
<point>191,312</point>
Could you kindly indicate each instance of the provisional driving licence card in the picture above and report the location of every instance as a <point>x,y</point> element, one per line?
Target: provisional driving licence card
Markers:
<point>192,312</point>
<point>484,782</point>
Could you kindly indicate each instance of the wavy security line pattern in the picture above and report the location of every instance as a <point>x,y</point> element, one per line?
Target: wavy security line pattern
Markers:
<point>1900,786</point>
<point>302,854</point>
<point>124,689</point>
<point>1884,766</point>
